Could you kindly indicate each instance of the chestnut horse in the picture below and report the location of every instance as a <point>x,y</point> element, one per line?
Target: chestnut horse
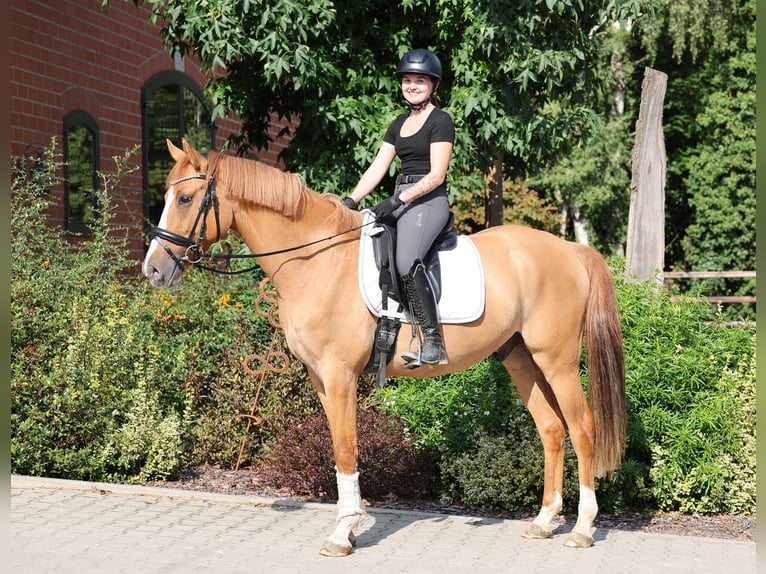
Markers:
<point>543,295</point>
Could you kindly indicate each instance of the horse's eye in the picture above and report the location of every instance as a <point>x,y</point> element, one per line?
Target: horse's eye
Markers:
<point>184,199</point>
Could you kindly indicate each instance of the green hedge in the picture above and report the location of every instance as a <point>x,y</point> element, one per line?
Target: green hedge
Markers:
<point>114,380</point>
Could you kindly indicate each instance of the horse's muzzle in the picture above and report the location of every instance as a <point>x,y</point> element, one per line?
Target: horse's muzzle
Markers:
<point>162,271</point>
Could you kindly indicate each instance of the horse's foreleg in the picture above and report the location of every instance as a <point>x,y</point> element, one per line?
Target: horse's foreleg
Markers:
<point>339,403</point>
<point>350,510</point>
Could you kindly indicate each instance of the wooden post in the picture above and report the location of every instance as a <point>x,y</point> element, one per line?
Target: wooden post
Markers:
<point>646,220</point>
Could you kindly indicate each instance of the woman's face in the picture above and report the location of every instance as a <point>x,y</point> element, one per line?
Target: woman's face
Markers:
<point>416,88</point>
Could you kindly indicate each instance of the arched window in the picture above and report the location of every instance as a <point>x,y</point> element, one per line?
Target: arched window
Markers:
<point>172,107</point>
<point>81,165</point>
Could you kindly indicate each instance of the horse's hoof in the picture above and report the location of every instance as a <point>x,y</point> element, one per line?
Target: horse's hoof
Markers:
<point>578,540</point>
<point>337,549</point>
<point>537,531</point>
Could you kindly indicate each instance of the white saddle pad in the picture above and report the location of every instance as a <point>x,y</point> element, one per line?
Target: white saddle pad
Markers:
<point>462,280</point>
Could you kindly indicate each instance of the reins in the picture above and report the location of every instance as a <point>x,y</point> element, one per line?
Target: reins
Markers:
<point>210,199</point>
<point>230,256</point>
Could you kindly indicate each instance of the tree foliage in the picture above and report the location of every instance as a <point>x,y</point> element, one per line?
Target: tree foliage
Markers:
<point>720,178</point>
<point>549,87</point>
<point>690,28</point>
<point>708,51</point>
<point>519,77</point>
<point>591,184</point>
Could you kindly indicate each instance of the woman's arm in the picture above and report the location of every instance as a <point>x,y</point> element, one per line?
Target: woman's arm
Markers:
<point>375,173</point>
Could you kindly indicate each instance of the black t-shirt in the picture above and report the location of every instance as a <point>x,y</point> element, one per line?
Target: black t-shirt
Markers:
<point>415,151</point>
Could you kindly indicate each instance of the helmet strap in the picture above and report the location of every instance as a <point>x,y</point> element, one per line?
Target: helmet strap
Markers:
<point>425,102</point>
<point>419,106</point>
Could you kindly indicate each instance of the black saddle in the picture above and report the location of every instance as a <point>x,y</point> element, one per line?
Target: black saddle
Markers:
<point>384,250</point>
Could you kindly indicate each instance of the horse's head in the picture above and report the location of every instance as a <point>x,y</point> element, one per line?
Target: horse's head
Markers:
<point>190,222</point>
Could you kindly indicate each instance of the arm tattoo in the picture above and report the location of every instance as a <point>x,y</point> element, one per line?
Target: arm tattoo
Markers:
<point>425,185</point>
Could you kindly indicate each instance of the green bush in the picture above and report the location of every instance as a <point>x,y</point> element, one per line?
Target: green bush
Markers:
<point>505,471</point>
<point>705,463</point>
<point>78,344</point>
<point>445,412</point>
<point>109,376</point>
<point>147,446</point>
<point>224,405</point>
<point>690,388</point>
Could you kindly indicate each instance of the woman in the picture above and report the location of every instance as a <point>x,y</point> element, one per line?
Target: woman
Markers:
<point>422,139</point>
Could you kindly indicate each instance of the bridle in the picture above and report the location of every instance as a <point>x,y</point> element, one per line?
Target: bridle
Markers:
<point>194,253</point>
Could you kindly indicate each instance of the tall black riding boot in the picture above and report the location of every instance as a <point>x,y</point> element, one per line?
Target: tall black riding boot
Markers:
<point>423,307</point>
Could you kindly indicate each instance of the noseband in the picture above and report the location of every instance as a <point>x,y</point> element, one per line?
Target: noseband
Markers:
<point>193,246</point>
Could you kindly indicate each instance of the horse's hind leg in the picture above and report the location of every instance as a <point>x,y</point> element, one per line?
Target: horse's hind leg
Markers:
<point>542,405</point>
<point>564,396</point>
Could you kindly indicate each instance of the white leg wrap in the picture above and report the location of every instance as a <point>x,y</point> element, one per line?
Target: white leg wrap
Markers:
<point>349,495</point>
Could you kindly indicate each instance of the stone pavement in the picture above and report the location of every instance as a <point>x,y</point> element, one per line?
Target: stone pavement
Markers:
<point>64,526</point>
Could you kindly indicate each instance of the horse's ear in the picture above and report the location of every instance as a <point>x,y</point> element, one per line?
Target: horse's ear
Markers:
<point>197,160</point>
<point>175,152</point>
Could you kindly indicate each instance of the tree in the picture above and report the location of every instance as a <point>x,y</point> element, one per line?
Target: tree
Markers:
<point>591,187</point>
<point>720,174</point>
<point>707,50</point>
<point>520,77</point>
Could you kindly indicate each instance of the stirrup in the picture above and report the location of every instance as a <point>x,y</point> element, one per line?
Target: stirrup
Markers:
<point>412,357</point>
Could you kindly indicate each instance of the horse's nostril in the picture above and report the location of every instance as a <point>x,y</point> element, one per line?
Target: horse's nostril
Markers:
<point>149,270</point>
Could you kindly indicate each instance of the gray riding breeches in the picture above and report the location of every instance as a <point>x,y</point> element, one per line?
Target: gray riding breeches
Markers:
<point>418,224</point>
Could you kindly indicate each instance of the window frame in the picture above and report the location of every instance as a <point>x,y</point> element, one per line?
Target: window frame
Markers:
<point>163,80</point>
<point>74,119</point>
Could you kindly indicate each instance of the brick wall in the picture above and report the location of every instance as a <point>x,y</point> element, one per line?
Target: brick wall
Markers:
<point>74,54</point>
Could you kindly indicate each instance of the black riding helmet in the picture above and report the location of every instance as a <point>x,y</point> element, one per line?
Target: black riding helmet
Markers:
<point>420,61</point>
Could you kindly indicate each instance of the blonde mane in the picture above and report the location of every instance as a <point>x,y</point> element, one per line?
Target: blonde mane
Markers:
<point>258,183</point>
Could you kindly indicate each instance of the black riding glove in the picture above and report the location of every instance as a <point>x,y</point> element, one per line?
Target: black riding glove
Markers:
<point>386,207</point>
<point>350,203</point>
